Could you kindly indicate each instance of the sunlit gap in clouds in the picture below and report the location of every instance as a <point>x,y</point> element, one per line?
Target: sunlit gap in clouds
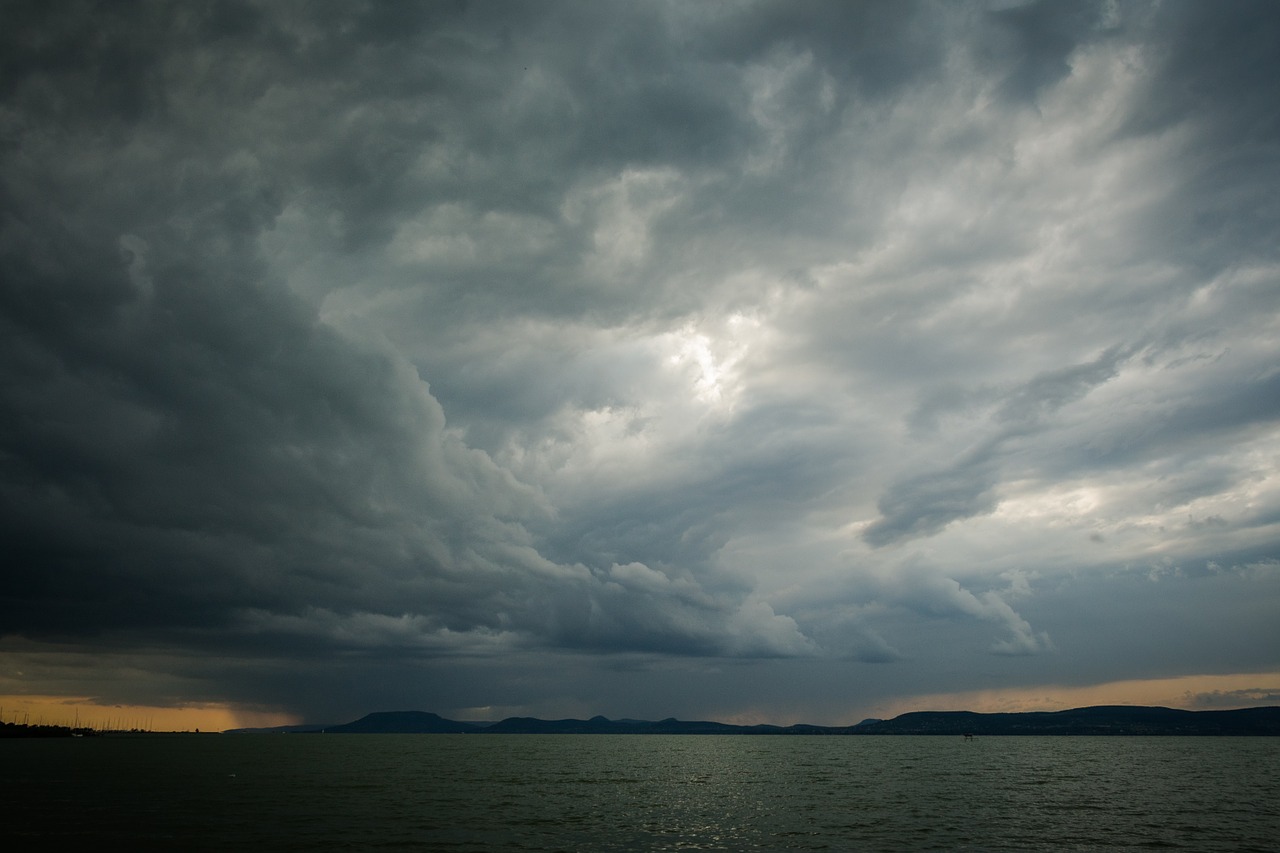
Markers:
<point>710,357</point>
<point>691,379</point>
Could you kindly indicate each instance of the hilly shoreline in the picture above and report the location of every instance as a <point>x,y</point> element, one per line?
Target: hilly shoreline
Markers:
<point>1112,720</point>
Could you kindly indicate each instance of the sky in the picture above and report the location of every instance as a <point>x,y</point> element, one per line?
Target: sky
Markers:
<point>752,361</point>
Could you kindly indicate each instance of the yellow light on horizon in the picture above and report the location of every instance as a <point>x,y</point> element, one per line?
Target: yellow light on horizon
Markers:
<point>1184,691</point>
<point>87,713</point>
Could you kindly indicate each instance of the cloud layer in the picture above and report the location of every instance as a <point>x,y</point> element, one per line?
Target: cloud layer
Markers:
<point>735,358</point>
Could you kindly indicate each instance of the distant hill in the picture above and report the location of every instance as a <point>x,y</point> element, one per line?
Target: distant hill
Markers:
<point>402,722</point>
<point>602,725</point>
<point>1097,720</point>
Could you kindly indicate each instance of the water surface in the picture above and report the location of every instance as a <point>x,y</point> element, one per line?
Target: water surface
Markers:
<point>643,792</point>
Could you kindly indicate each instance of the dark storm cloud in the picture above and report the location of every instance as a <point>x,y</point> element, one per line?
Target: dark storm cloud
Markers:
<point>463,340</point>
<point>189,443</point>
<point>1032,43</point>
<point>1262,696</point>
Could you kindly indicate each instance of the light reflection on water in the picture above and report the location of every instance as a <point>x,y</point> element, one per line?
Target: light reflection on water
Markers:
<point>649,792</point>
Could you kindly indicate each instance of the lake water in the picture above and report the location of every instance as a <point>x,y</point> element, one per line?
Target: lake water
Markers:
<point>640,792</point>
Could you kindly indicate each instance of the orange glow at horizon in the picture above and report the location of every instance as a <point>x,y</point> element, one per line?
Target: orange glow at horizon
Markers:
<point>1195,692</point>
<point>85,712</point>
<point>1231,691</point>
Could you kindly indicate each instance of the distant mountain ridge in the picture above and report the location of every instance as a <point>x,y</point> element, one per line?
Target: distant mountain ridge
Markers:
<point>1094,720</point>
<point>403,722</point>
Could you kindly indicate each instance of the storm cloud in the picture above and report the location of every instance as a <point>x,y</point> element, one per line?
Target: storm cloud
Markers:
<point>639,358</point>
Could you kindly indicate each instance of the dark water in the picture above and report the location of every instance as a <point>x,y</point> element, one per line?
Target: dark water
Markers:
<point>640,792</point>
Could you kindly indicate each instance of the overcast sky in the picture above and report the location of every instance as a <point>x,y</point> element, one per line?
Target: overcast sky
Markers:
<point>749,361</point>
